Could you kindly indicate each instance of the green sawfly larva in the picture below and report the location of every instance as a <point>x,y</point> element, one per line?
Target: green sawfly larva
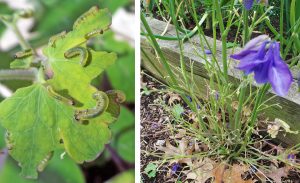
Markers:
<point>54,38</point>
<point>93,33</point>
<point>84,16</point>
<point>101,105</point>
<point>78,51</point>
<point>58,97</point>
<point>44,162</point>
<point>23,54</point>
<point>8,141</point>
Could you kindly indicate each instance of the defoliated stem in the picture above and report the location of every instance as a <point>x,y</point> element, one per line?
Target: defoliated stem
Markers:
<point>18,74</point>
<point>21,39</point>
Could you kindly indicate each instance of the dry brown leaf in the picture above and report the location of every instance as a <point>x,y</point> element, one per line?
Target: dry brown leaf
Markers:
<point>173,97</point>
<point>202,169</point>
<point>193,117</point>
<point>277,173</point>
<point>172,151</point>
<point>219,173</point>
<point>234,174</point>
<point>181,133</point>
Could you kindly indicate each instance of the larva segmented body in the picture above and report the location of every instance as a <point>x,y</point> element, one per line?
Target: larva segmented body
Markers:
<point>101,105</point>
<point>23,54</point>
<point>58,97</point>
<point>78,51</point>
<point>83,17</point>
<point>93,33</point>
<point>54,38</point>
<point>44,162</point>
<point>8,141</point>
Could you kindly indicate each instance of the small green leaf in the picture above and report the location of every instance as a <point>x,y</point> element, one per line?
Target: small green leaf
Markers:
<point>177,110</point>
<point>21,63</point>
<point>150,170</point>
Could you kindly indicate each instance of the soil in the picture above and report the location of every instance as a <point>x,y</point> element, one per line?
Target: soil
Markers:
<point>154,128</point>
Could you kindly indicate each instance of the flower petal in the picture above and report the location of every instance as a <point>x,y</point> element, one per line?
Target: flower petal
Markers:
<point>256,42</point>
<point>261,73</point>
<point>253,60</point>
<point>279,74</point>
<point>241,55</point>
<point>248,4</point>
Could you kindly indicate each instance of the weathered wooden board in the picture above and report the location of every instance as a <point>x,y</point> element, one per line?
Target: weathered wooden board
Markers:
<point>290,104</point>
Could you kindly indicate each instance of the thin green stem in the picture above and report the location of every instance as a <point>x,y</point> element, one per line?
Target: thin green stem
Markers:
<point>18,74</point>
<point>24,44</point>
<point>223,37</point>
<point>281,25</point>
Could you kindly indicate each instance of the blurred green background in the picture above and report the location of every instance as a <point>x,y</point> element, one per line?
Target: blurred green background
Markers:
<point>116,163</point>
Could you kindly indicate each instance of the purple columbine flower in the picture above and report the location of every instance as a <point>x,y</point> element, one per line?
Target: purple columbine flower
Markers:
<point>175,168</point>
<point>248,4</point>
<point>207,52</point>
<point>262,56</point>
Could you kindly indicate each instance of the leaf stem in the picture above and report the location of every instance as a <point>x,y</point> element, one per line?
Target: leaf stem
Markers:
<point>24,44</point>
<point>18,74</point>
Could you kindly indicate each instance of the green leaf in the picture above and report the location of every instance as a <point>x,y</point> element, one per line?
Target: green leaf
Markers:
<point>127,177</point>
<point>70,77</point>
<point>21,63</point>
<point>123,135</point>
<point>38,123</point>
<point>94,19</point>
<point>150,170</point>
<point>59,170</point>
<point>177,110</point>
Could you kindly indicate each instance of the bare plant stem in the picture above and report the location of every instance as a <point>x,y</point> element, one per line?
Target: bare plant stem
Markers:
<point>24,44</point>
<point>18,74</point>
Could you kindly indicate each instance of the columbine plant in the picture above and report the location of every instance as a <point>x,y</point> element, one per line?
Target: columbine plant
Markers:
<point>229,114</point>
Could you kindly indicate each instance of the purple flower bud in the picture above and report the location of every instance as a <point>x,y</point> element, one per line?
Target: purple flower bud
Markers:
<point>207,52</point>
<point>175,168</point>
<point>291,157</point>
<point>249,3</point>
<point>263,58</point>
<point>217,95</point>
<point>189,97</point>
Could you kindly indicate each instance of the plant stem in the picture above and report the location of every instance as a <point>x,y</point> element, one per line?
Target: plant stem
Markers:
<point>281,25</point>
<point>237,120</point>
<point>223,36</point>
<point>24,44</point>
<point>18,74</point>
<point>159,51</point>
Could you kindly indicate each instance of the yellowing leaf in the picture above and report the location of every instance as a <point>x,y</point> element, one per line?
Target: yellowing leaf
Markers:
<point>38,124</point>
